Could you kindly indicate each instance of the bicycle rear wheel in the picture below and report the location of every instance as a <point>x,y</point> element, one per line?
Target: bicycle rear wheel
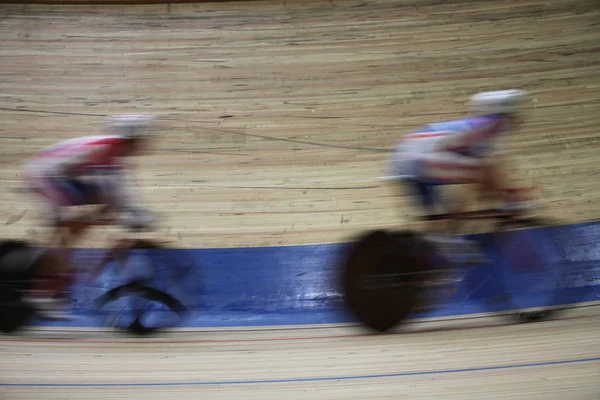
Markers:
<point>381,275</point>
<point>16,265</point>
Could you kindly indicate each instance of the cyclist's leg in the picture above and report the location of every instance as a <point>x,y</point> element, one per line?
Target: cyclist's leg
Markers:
<point>435,173</point>
<point>60,195</point>
<point>503,187</point>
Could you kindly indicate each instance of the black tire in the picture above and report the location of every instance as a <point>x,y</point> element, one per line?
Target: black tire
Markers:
<point>10,245</point>
<point>143,290</point>
<point>380,276</point>
<point>535,316</point>
<point>16,265</point>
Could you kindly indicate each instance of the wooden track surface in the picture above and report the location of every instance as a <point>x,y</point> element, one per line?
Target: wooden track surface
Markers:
<point>451,360</point>
<point>277,117</point>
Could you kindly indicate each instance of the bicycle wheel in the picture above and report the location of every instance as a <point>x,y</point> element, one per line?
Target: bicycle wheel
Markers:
<point>16,262</point>
<point>380,277</point>
<point>144,300</point>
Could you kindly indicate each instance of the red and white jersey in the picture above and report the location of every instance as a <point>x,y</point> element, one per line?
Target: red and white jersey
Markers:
<point>80,155</point>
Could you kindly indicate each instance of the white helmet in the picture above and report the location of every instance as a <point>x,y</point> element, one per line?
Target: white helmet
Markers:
<point>130,125</point>
<point>497,102</point>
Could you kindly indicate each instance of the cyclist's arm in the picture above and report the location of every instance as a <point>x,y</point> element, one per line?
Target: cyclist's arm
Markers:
<point>481,140</point>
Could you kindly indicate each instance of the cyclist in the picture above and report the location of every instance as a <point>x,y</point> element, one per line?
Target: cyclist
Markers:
<point>463,151</point>
<point>81,172</point>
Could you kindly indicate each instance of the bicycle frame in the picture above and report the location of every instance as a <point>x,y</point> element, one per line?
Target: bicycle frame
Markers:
<point>471,255</point>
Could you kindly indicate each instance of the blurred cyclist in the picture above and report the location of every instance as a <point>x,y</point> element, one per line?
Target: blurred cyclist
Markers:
<point>462,152</point>
<point>81,172</point>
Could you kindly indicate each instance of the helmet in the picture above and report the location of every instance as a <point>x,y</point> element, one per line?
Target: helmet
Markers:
<point>132,126</point>
<point>497,102</point>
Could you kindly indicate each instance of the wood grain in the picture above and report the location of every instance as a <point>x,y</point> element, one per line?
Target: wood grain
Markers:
<point>277,118</point>
<point>481,358</point>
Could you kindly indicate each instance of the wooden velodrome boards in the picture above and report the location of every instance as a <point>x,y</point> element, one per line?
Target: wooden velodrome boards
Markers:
<point>277,120</point>
<point>278,117</point>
